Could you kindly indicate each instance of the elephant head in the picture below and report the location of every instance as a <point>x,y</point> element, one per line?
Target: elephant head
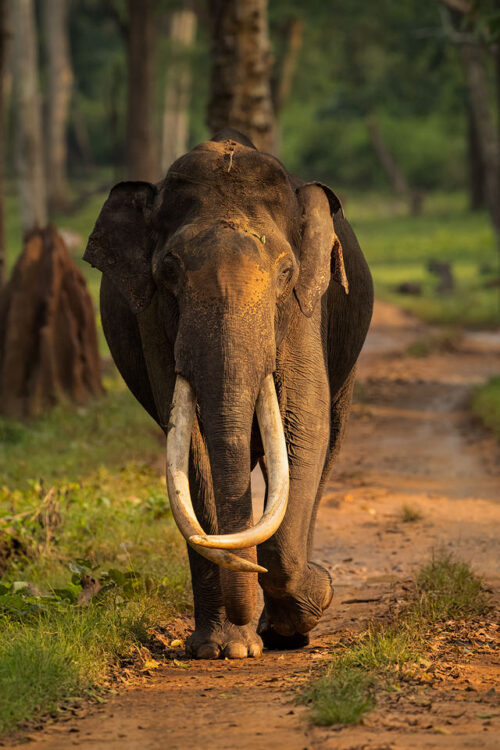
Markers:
<point>229,248</point>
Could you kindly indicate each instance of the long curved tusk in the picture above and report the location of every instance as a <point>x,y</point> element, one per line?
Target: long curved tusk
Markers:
<point>178,444</point>
<point>273,439</point>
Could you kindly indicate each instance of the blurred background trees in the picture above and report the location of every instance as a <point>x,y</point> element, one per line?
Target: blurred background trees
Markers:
<point>394,104</point>
<point>372,96</point>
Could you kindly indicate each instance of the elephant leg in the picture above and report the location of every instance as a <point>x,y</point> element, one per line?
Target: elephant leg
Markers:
<point>214,636</point>
<point>297,591</point>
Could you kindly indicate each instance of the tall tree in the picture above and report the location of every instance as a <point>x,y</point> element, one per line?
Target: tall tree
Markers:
<point>3,44</point>
<point>242,64</point>
<point>175,124</point>
<point>29,143</point>
<point>59,85</point>
<point>140,38</point>
<point>473,37</point>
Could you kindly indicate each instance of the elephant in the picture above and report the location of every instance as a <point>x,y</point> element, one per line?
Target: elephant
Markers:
<point>235,300</point>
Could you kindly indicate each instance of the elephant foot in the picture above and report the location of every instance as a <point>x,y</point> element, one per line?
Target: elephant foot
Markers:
<point>224,640</point>
<point>293,612</point>
<point>274,641</point>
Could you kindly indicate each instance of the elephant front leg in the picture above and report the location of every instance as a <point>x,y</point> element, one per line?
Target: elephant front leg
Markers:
<point>214,636</point>
<point>296,590</point>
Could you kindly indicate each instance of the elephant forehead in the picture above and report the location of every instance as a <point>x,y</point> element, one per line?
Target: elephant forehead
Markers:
<point>228,177</point>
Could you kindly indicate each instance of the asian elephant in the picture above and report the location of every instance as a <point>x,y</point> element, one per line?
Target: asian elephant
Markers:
<point>235,300</point>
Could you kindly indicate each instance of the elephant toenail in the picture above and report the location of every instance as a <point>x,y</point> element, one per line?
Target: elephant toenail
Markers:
<point>254,650</point>
<point>235,650</point>
<point>208,651</point>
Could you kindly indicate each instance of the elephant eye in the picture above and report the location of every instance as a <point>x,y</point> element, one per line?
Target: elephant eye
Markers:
<point>284,277</point>
<point>170,269</point>
<point>286,274</point>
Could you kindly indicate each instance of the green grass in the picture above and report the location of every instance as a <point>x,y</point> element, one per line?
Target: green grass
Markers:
<point>341,696</point>
<point>445,589</point>
<point>486,405</point>
<point>398,248</point>
<point>69,441</point>
<point>77,484</point>
<point>409,514</point>
<point>54,657</point>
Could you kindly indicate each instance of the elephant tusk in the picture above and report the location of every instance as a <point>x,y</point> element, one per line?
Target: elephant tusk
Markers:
<point>178,445</point>
<point>273,439</point>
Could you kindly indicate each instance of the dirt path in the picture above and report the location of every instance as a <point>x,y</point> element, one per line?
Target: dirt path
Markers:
<point>410,441</point>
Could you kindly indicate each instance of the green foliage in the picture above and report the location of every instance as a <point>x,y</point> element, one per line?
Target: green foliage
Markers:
<point>486,405</point>
<point>90,558</point>
<point>357,59</point>
<point>345,690</point>
<point>342,696</point>
<point>398,248</point>
<point>389,60</point>
<point>447,589</point>
<point>101,438</point>
<point>62,653</point>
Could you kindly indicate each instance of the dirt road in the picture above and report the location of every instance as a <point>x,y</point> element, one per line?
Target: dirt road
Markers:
<point>410,441</point>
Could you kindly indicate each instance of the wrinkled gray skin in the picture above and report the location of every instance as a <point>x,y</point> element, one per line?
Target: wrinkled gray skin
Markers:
<point>228,270</point>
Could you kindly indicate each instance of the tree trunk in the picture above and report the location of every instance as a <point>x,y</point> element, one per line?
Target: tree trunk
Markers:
<point>294,35</point>
<point>140,62</point>
<point>461,25</point>
<point>475,77</point>
<point>241,70</point>
<point>477,199</point>
<point>29,144</point>
<point>3,44</point>
<point>178,88</point>
<point>389,165</point>
<point>59,84</point>
<point>48,341</point>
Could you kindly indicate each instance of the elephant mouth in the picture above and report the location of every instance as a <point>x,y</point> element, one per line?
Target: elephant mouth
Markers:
<point>215,547</point>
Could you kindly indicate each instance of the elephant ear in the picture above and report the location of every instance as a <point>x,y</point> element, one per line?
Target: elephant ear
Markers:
<point>122,243</point>
<point>321,254</point>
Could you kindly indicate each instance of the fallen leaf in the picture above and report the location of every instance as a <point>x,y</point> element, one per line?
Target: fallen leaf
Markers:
<point>149,665</point>
<point>181,664</point>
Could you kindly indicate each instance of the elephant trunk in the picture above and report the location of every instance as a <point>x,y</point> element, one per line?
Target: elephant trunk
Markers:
<point>228,420</point>
<point>229,450</point>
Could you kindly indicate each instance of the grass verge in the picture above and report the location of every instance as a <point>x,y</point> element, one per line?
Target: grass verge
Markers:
<point>383,655</point>
<point>91,564</point>
<point>486,405</point>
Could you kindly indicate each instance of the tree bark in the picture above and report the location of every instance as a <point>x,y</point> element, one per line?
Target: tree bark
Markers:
<point>29,144</point>
<point>59,85</point>
<point>241,70</point>
<point>178,88</point>
<point>3,57</point>
<point>48,340</point>
<point>140,63</point>
<point>477,199</point>
<point>461,26</point>
<point>475,77</point>
<point>294,36</point>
